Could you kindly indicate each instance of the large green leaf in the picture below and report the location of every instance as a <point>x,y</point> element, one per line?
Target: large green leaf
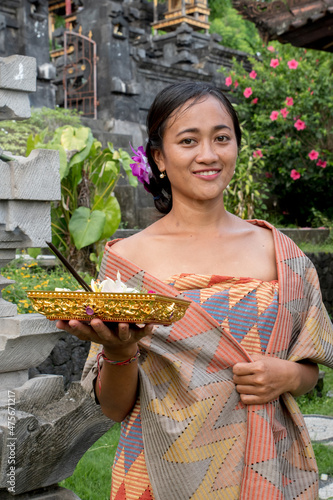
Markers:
<point>75,138</point>
<point>86,226</point>
<point>84,153</point>
<point>125,161</point>
<point>112,213</point>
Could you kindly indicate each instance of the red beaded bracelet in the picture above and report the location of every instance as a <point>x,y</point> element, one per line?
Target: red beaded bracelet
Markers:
<point>125,362</point>
<point>116,363</point>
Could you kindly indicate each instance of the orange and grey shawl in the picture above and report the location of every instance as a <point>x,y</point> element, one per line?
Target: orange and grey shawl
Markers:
<point>200,441</point>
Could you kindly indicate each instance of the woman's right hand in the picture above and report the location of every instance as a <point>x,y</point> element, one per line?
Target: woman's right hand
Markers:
<point>118,339</point>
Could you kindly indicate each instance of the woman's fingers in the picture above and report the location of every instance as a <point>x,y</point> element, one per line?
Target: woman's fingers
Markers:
<point>108,334</point>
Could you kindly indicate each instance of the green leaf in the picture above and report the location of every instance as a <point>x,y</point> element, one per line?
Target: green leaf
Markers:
<point>31,143</point>
<point>34,252</point>
<point>125,161</point>
<point>112,213</point>
<point>75,138</point>
<point>86,227</point>
<point>84,153</point>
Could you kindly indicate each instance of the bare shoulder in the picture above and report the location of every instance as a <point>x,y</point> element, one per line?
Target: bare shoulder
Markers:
<point>136,248</point>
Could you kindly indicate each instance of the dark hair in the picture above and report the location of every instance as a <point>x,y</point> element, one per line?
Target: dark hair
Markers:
<point>166,102</point>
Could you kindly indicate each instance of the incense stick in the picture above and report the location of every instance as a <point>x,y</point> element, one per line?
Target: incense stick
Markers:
<point>69,267</point>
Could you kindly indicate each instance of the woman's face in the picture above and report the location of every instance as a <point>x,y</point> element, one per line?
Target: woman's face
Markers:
<point>199,150</point>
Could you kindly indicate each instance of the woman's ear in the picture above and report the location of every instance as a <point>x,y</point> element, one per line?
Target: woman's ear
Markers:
<point>158,159</point>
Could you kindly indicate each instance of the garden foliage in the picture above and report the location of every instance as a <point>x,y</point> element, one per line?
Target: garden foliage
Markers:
<point>247,192</point>
<point>286,104</point>
<point>236,32</point>
<point>88,213</point>
<point>14,134</point>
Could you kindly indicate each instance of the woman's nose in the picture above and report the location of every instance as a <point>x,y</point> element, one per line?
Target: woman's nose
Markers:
<point>207,152</point>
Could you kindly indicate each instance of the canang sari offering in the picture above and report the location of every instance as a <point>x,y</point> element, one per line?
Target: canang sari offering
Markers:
<point>200,441</point>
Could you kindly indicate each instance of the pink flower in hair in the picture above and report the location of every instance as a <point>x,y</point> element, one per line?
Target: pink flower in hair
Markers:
<point>140,168</point>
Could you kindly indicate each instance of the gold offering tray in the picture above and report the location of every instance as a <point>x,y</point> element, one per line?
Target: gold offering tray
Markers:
<point>117,307</point>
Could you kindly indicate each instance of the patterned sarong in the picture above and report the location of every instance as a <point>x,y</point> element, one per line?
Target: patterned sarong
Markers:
<point>200,442</point>
<point>247,309</point>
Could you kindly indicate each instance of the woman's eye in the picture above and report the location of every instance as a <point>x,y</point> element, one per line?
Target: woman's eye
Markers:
<point>187,141</point>
<point>222,138</point>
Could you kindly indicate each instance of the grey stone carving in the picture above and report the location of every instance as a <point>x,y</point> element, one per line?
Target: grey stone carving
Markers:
<point>44,430</point>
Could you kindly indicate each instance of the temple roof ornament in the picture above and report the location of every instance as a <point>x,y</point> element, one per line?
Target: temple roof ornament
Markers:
<point>302,23</point>
<point>192,12</point>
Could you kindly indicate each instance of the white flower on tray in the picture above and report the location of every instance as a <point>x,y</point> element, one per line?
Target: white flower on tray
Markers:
<point>112,286</point>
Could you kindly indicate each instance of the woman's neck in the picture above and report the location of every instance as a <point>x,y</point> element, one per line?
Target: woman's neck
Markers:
<point>196,217</point>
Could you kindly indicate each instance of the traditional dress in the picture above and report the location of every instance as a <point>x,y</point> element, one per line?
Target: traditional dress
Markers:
<point>194,438</point>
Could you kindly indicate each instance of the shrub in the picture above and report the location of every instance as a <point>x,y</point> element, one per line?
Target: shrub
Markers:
<point>286,104</point>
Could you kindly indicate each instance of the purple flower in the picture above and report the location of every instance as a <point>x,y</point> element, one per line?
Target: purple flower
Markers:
<point>140,168</point>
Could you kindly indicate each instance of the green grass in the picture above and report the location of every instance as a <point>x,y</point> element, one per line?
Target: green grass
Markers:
<point>29,276</point>
<point>312,404</point>
<point>92,477</point>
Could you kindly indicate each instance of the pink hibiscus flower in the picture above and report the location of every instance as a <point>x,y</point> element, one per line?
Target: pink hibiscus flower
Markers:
<point>228,81</point>
<point>292,64</point>
<point>313,155</point>
<point>321,163</point>
<point>247,92</point>
<point>271,48</point>
<point>253,75</point>
<point>295,175</point>
<point>254,101</point>
<point>141,168</point>
<point>274,115</point>
<point>257,154</point>
<point>300,125</point>
<point>236,84</point>
<point>284,112</point>
<point>274,63</point>
<point>289,101</point>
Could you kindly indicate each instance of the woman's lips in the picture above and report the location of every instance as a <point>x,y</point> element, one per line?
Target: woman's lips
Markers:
<point>212,173</point>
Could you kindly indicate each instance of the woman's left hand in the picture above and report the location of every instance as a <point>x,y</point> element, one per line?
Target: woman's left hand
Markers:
<point>266,378</point>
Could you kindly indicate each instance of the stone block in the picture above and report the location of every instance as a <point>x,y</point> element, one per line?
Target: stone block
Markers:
<point>5,189</point>
<point>7,309</point>
<point>26,340</point>
<point>118,86</point>
<point>31,218</point>
<point>14,105</point>
<point>18,73</point>
<point>10,380</point>
<point>20,177</point>
<point>47,71</point>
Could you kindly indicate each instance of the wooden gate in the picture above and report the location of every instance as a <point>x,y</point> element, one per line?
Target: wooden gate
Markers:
<point>79,76</point>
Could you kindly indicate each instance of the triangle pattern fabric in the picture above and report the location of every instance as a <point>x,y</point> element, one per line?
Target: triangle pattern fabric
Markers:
<point>195,430</point>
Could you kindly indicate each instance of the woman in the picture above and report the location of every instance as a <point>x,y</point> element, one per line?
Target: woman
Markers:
<point>208,409</point>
